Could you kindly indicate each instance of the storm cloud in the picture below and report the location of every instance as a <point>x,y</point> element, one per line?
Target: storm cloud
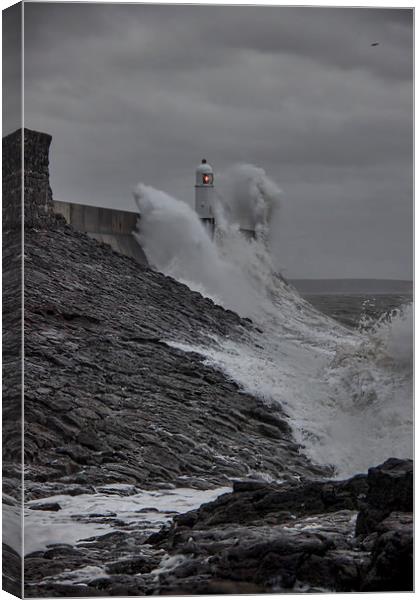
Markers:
<point>143,92</point>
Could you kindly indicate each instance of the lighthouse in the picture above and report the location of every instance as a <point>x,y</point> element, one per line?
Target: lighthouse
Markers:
<point>204,195</point>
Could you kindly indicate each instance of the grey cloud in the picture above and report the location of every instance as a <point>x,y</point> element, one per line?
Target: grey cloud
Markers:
<point>189,35</point>
<point>143,92</point>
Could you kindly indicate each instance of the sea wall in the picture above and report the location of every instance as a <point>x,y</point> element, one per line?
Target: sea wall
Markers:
<point>106,225</point>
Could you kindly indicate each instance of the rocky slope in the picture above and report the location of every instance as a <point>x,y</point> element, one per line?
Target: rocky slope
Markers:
<point>115,417</point>
<point>109,400</point>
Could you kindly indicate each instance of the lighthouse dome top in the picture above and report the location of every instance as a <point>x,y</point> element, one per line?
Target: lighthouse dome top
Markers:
<point>204,173</point>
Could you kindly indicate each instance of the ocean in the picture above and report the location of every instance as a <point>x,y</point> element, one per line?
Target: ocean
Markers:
<point>359,310</point>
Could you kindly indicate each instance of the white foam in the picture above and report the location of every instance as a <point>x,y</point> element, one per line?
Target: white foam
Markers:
<point>81,577</point>
<point>12,517</point>
<point>146,510</point>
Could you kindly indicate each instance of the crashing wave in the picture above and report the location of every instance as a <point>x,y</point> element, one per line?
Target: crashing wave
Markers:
<point>348,394</point>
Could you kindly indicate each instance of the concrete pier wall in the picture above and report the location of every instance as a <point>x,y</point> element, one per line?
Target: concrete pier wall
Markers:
<point>107,225</point>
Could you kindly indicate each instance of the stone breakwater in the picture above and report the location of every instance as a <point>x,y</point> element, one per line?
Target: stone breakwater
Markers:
<point>108,400</point>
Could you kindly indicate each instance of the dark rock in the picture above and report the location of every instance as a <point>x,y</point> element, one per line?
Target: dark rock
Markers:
<point>12,571</point>
<point>53,506</point>
<point>258,500</point>
<point>90,440</point>
<point>391,565</point>
<point>296,535</point>
<point>286,536</point>
<point>249,485</point>
<point>131,566</point>
<point>390,488</point>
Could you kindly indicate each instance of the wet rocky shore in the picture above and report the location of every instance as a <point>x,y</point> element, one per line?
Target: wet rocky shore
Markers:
<point>110,402</point>
<point>353,535</point>
<point>109,399</point>
<point>301,536</point>
<point>127,438</point>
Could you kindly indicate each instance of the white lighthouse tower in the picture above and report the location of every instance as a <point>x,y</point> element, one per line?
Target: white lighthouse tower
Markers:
<point>204,195</point>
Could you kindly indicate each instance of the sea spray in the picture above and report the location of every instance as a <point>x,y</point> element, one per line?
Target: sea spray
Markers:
<point>347,393</point>
<point>394,333</point>
<point>373,391</point>
<point>177,244</point>
<point>233,271</point>
<point>248,196</point>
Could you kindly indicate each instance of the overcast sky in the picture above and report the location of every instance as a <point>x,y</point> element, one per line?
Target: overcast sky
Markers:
<point>141,93</point>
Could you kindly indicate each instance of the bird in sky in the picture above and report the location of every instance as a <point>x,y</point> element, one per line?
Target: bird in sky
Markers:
<point>375,44</point>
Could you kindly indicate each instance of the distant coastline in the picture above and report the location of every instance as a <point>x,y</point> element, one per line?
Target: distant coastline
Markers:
<point>353,286</point>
